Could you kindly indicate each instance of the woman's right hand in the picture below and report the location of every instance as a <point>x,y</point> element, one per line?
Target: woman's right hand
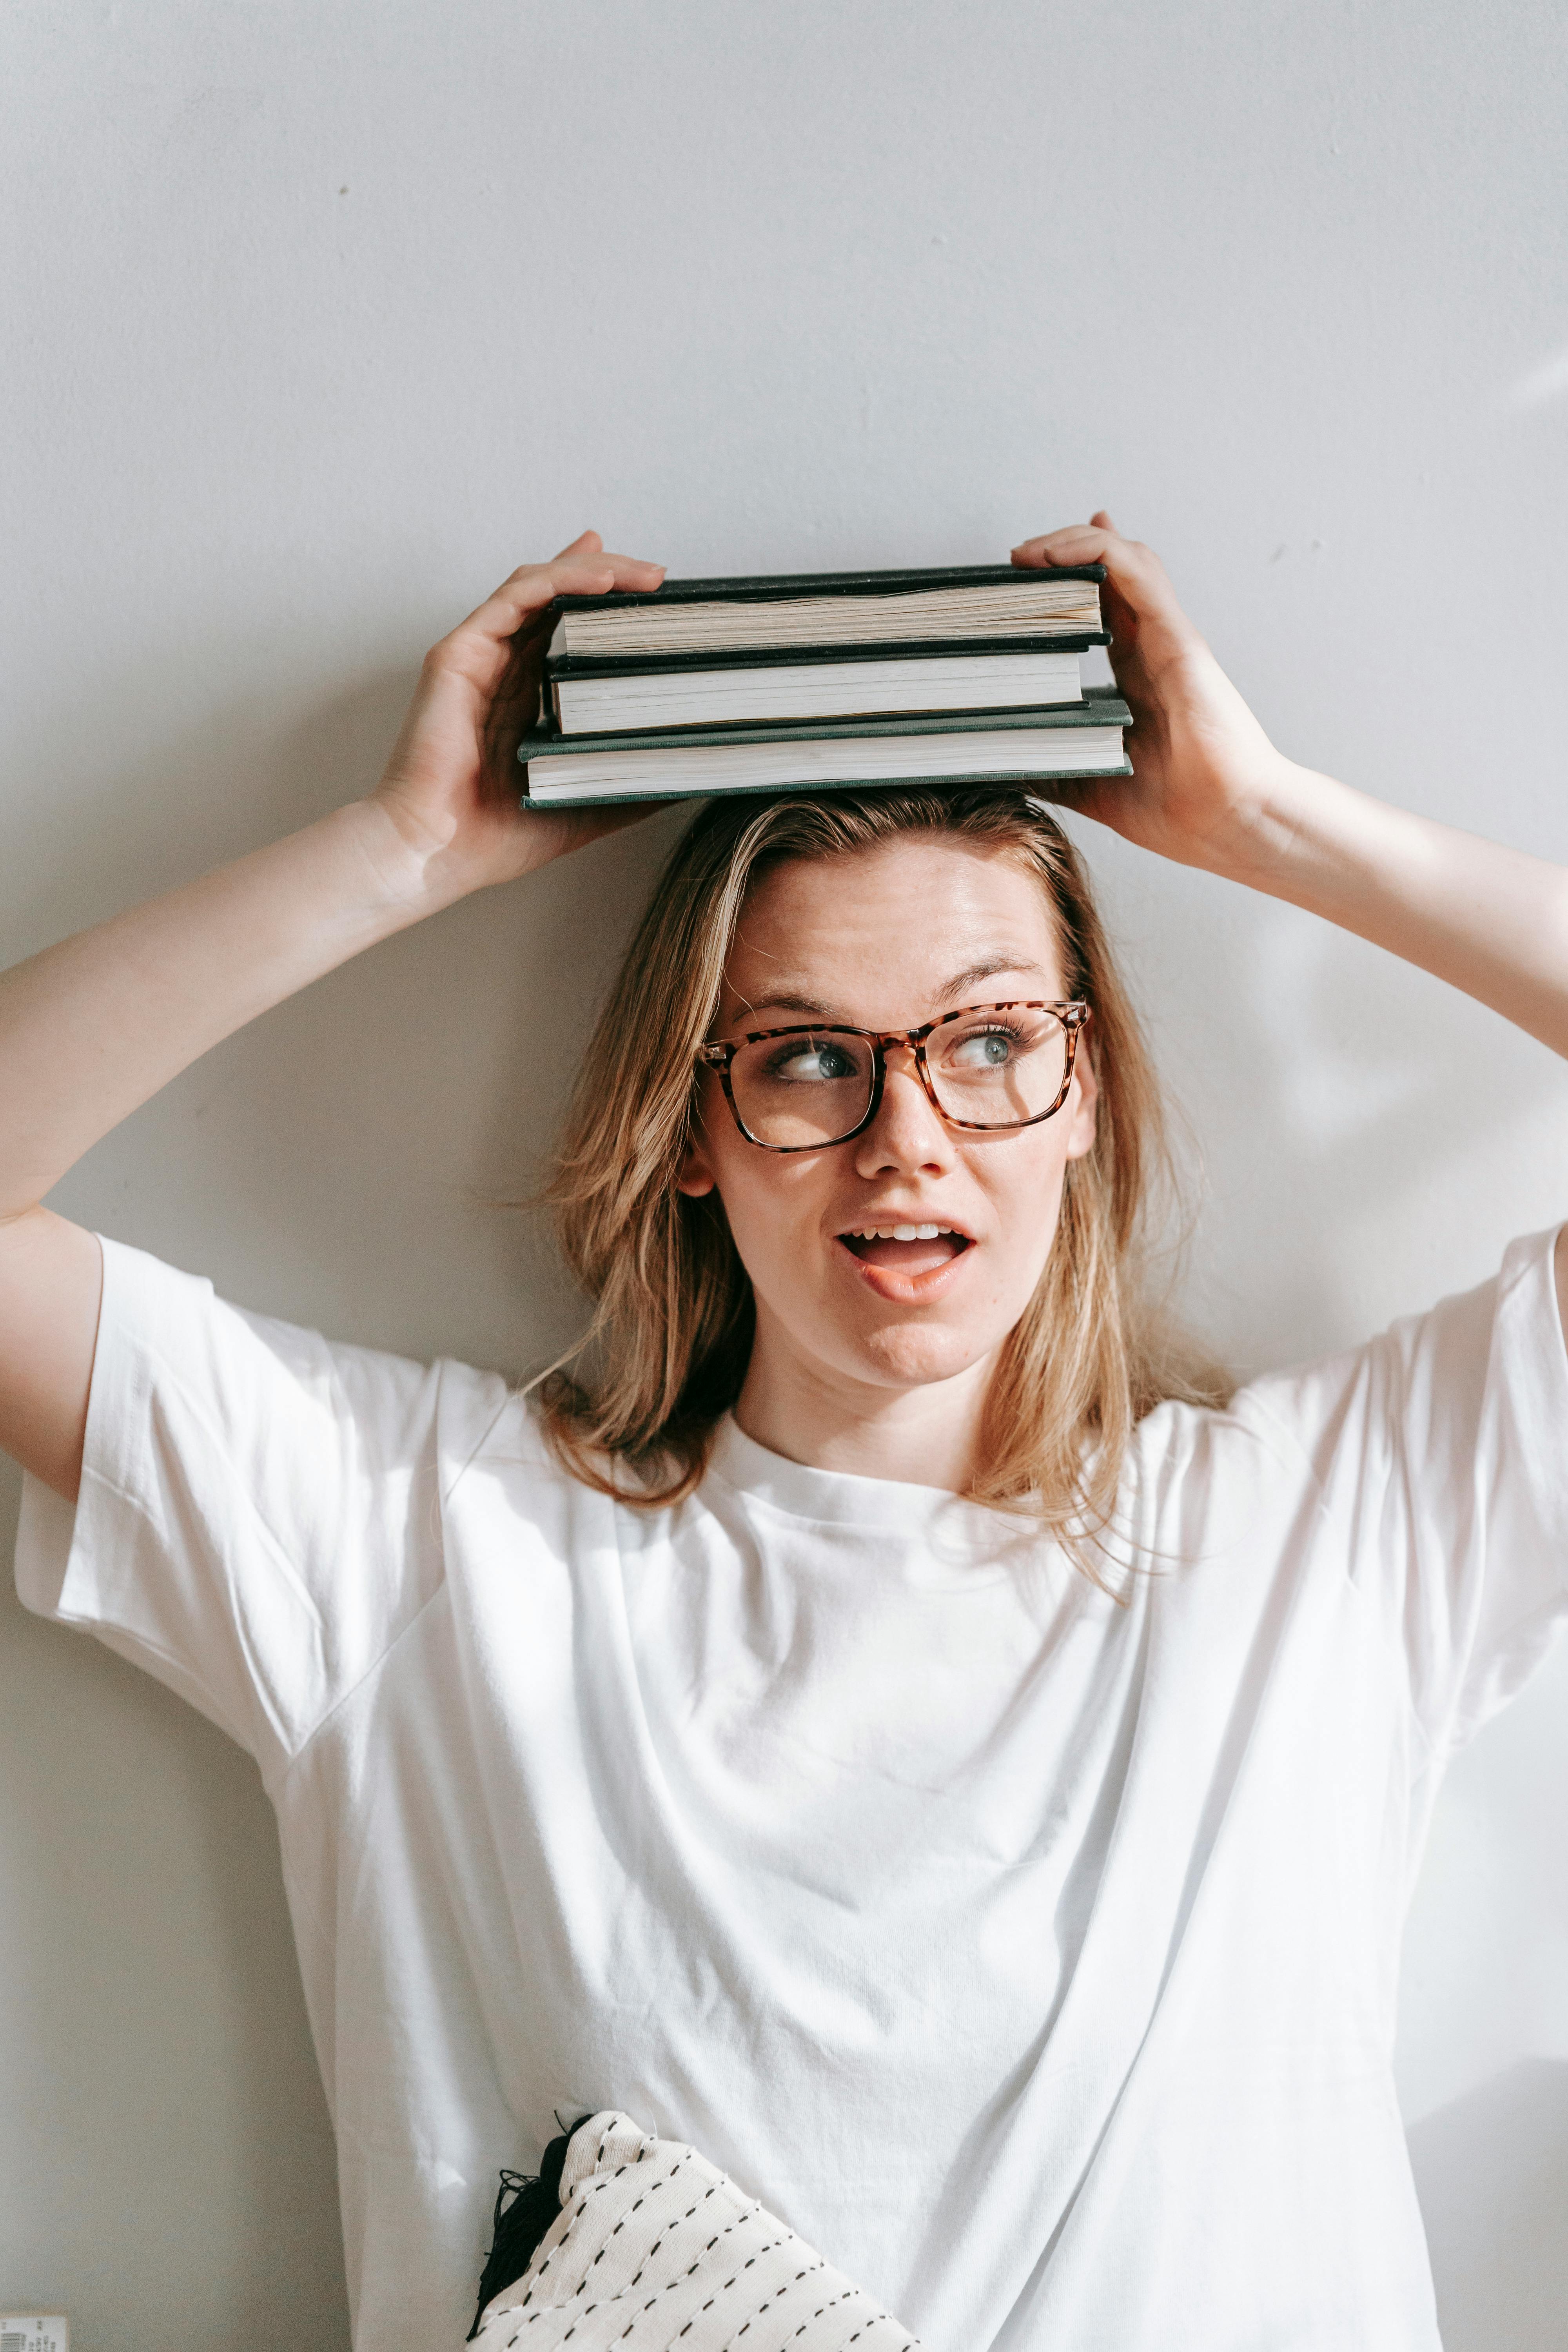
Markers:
<point>452,785</point>
<point>97,1024</point>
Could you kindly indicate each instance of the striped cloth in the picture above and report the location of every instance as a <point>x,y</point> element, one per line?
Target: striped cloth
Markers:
<point>654,2247</point>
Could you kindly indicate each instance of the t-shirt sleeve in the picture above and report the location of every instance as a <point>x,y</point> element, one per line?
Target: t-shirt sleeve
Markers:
<point>260,1514</point>
<point>1439,1453</point>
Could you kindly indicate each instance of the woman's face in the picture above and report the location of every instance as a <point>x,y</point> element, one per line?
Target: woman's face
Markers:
<point>889,937</point>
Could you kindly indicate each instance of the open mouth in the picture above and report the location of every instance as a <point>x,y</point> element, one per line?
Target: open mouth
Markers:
<point>905,1249</point>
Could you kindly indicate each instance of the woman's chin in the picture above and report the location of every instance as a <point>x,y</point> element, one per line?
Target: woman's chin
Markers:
<point>913,1356</point>
<point>865,1342</point>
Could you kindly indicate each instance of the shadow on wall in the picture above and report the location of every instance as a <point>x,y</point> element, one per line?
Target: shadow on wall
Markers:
<point>174,2185</point>
<point>1492,2173</point>
<point>1349,1172</point>
<point>337,1163</point>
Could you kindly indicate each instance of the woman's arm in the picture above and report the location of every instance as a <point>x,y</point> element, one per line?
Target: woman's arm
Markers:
<point>1210,789</point>
<point>92,1028</point>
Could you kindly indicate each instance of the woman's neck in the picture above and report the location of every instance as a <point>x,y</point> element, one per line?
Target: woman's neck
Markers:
<point>924,1434</point>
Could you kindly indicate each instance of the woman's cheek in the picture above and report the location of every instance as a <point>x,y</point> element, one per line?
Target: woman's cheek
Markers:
<point>762,1228</point>
<point>1028,1208</point>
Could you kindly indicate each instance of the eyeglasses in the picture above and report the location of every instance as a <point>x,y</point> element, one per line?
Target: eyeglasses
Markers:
<point>987,1067</point>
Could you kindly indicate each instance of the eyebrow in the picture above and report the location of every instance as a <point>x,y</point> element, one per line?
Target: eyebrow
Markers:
<point>788,1000</point>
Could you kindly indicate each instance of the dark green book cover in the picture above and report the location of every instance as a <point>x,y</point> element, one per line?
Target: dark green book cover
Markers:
<point>780,587</point>
<point>1100,707</point>
<point>801,656</point>
<point>1042,786</point>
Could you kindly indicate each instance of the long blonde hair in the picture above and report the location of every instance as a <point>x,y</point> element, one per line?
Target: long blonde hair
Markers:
<point>673,1316</point>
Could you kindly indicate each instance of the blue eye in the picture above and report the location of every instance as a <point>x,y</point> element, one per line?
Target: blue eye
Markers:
<point>809,1064</point>
<point>986,1049</point>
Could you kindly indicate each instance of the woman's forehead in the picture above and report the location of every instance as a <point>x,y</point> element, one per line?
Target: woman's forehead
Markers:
<point>894,929</point>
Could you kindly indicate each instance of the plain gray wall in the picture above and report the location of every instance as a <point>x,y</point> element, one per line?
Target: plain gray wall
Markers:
<point>322,317</point>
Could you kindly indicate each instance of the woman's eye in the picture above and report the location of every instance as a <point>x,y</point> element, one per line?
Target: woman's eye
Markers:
<point>810,1065</point>
<point>989,1049</point>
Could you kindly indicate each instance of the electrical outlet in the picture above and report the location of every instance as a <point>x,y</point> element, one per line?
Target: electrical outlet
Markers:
<point>31,2331</point>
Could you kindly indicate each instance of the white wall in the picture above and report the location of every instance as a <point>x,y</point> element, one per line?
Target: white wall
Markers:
<point>320,317</point>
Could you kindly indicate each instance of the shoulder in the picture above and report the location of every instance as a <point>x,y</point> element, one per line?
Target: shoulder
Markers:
<point>1248,1479</point>
<point>499,1469</point>
<point>1412,1403</point>
<point>1179,1445</point>
<point>487,1424</point>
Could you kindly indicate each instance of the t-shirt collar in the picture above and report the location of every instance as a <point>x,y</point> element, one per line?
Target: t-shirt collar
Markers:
<point>839,1498</point>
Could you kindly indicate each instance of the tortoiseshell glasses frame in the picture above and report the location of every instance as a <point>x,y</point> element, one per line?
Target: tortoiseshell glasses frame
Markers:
<point>720,1055</point>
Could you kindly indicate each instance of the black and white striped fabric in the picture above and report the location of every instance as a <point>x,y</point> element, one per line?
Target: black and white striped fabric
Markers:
<point>653,2248</point>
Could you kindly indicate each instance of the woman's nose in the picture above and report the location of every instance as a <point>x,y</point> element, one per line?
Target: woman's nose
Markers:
<point>908,1132</point>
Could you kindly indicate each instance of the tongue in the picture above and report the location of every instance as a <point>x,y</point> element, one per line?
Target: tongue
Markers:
<point>905,1257</point>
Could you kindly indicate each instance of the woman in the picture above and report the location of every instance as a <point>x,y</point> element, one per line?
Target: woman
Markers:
<point>1026,1937</point>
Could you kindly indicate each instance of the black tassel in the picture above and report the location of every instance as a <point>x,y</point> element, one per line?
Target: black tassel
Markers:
<point>526,2204</point>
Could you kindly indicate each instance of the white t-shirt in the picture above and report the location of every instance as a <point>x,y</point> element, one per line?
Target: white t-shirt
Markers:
<point>1032,1956</point>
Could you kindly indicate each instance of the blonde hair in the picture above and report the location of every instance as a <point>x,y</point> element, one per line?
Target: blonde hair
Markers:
<point>672,1323</point>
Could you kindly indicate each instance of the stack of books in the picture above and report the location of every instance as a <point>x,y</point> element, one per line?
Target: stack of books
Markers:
<point>819,680</point>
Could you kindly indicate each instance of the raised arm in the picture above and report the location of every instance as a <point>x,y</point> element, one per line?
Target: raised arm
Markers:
<point>1210,789</point>
<point>92,1028</point>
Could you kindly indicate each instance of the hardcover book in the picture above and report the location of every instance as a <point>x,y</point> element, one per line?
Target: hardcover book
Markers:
<point>606,699</point>
<point>809,611</point>
<point>1083,739</point>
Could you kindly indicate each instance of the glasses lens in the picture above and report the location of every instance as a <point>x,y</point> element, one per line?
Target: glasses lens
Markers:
<point>998,1065</point>
<point>805,1089</point>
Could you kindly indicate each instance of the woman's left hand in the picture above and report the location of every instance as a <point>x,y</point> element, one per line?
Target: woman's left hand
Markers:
<point>1204,771</point>
<point>1209,789</point>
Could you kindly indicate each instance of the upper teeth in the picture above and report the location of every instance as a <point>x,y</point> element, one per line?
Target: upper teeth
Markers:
<point>897,1233</point>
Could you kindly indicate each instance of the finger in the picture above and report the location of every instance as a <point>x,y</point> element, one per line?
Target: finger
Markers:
<point>587,542</point>
<point>533,586</point>
<point>1094,799</point>
<point>1074,542</point>
<point>592,826</point>
<point>1101,521</point>
<point>570,572</point>
<point>575,829</point>
<point>1136,581</point>
<point>638,564</point>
